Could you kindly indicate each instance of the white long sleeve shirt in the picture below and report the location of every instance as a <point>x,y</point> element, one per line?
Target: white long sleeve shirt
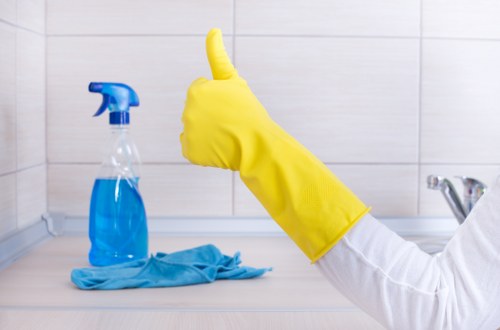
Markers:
<point>403,287</point>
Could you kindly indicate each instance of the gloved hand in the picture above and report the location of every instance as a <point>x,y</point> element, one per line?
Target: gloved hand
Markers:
<point>225,126</point>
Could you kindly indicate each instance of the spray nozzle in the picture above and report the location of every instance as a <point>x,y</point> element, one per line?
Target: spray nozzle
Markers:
<point>117,98</point>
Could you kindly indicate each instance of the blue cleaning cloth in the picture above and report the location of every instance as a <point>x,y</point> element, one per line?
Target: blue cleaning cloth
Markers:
<point>203,264</point>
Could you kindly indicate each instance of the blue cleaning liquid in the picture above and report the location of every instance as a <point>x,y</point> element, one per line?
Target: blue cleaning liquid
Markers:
<point>118,229</point>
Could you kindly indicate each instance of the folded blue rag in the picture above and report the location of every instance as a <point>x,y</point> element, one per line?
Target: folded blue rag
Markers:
<point>202,264</point>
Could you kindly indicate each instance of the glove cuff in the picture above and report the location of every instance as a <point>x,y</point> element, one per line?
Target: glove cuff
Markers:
<point>300,193</point>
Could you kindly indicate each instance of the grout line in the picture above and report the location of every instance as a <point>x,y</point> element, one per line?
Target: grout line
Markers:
<point>234,33</point>
<point>107,35</point>
<point>100,162</point>
<point>16,122</point>
<point>8,173</point>
<point>21,169</point>
<point>233,194</point>
<point>45,17</point>
<point>189,164</point>
<point>326,163</point>
<point>459,164</point>
<point>233,175</point>
<point>27,168</point>
<point>202,35</point>
<point>140,309</point>
<point>326,36</point>
<point>419,119</point>
<point>370,163</point>
<point>2,20</point>
<point>461,39</point>
<point>46,111</point>
<point>20,27</point>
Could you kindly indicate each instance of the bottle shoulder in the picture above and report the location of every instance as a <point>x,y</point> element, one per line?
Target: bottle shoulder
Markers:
<point>121,157</point>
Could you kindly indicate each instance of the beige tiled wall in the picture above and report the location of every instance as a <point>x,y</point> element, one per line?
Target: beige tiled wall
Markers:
<point>384,92</point>
<point>23,197</point>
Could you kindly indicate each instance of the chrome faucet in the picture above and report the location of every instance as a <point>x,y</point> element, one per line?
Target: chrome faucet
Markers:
<point>473,190</point>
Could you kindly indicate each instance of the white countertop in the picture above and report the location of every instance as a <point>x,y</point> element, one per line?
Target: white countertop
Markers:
<point>36,292</point>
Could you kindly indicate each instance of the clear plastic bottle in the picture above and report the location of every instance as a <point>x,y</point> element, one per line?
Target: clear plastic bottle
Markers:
<point>117,222</point>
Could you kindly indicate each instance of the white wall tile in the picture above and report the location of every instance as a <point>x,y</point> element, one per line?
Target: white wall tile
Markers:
<point>8,10</point>
<point>186,190</point>
<point>136,17</point>
<point>31,14</point>
<point>168,190</point>
<point>461,18</point>
<point>328,17</point>
<point>348,100</point>
<point>7,98</point>
<point>70,188</point>
<point>7,204</point>
<point>30,99</point>
<point>160,69</point>
<point>391,190</point>
<point>460,103</point>
<point>22,114</point>
<point>432,202</point>
<point>31,195</point>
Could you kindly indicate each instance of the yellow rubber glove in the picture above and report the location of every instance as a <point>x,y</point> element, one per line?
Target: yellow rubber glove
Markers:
<point>225,126</point>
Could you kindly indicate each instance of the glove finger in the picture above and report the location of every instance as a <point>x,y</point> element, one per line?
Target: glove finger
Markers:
<point>219,61</point>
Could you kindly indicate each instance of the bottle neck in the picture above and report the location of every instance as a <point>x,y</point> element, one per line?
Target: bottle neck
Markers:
<point>121,158</point>
<point>120,136</point>
<point>119,128</point>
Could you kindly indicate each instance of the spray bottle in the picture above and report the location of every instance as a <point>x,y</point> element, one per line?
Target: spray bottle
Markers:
<point>118,227</point>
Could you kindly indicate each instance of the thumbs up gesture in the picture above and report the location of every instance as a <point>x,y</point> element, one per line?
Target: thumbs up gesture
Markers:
<point>226,126</point>
<point>221,115</point>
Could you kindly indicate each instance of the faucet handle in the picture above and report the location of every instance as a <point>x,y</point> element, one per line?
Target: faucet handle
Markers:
<point>435,182</point>
<point>473,190</point>
<point>438,182</point>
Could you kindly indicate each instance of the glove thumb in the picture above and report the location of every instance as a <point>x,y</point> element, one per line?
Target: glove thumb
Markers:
<point>221,65</point>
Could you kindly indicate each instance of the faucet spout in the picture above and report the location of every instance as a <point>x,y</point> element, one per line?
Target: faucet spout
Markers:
<point>473,190</point>
<point>437,182</point>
